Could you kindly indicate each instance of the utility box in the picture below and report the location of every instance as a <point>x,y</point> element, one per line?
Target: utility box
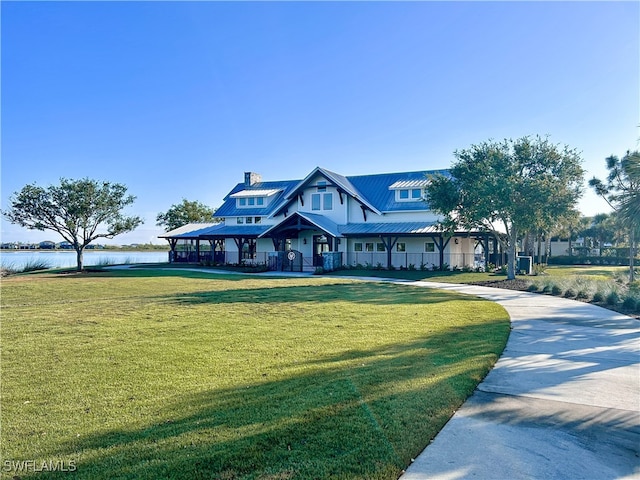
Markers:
<point>524,265</point>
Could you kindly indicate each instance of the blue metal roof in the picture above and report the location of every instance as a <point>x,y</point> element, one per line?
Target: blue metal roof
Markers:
<point>372,190</point>
<point>229,208</point>
<point>222,230</point>
<point>401,228</point>
<point>320,221</point>
<point>376,189</point>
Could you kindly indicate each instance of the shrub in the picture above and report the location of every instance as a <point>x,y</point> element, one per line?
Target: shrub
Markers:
<point>412,266</point>
<point>582,295</point>
<point>613,297</point>
<point>318,271</point>
<point>598,297</point>
<point>570,293</point>
<point>532,288</point>
<point>539,268</point>
<point>629,303</point>
<point>556,290</point>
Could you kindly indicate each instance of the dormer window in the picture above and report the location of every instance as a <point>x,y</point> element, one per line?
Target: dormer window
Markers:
<point>253,198</point>
<point>409,191</point>
<point>408,194</point>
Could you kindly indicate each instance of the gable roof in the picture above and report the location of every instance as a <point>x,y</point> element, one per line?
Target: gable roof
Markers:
<point>375,192</point>
<point>342,183</point>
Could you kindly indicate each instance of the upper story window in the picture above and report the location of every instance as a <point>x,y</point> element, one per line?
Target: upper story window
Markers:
<point>254,197</point>
<point>409,190</point>
<point>408,194</point>
<point>245,202</point>
<point>322,201</point>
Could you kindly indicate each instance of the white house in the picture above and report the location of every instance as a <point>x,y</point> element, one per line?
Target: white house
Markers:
<point>330,220</point>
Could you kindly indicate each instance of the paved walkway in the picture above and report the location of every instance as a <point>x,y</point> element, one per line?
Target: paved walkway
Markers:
<point>562,402</point>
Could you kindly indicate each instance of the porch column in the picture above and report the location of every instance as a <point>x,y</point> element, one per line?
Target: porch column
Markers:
<point>441,243</point>
<point>389,243</point>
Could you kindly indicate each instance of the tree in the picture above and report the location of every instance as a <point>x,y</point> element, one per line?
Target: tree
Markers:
<point>508,188</point>
<point>622,192</point>
<point>79,210</point>
<point>183,213</point>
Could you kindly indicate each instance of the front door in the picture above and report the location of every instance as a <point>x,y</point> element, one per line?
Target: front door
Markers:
<point>320,245</point>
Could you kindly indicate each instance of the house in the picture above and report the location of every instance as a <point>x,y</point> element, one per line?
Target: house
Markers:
<point>330,220</point>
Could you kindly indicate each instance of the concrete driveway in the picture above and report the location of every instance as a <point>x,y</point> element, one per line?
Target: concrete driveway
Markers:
<point>562,402</point>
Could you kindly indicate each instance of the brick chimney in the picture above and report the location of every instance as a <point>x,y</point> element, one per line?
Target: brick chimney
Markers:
<point>251,178</point>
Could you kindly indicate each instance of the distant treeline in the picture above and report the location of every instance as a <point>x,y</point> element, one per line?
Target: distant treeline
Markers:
<point>68,246</point>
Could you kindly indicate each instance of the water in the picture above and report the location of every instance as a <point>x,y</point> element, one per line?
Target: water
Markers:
<point>17,260</point>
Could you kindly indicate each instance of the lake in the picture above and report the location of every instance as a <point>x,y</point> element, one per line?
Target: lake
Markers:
<point>17,260</point>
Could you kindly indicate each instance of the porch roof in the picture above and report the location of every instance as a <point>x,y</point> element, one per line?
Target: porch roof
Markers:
<point>400,228</point>
<point>190,230</point>
<point>319,221</point>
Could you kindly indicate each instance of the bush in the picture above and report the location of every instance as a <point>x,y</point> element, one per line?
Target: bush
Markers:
<point>556,290</point>
<point>570,293</point>
<point>539,268</point>
<point>629,303</point>
<point>532,288</point>
<point>613,298</point>
<point>582,295</point>
<point>598,297</point>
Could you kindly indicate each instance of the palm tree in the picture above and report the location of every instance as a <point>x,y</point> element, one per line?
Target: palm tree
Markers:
<point>622,193</point>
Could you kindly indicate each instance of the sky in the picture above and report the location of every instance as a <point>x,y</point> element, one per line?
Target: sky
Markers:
<point>176,100</point>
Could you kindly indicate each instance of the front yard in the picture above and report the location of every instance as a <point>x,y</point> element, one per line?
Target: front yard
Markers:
<point>171,374</point>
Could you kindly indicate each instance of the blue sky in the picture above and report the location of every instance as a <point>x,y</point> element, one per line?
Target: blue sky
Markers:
<point>177,100</point>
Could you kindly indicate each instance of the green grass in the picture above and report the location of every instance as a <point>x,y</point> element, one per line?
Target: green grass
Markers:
<point>432,276</point>
<point>149,374</point>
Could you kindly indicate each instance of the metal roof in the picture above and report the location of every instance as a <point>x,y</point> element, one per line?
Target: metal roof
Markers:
<point>410,184</point>
<point>254,193</point>
<point>190,229</point>
<point>376,189</point>
<point>230,209</point>
<point>373,191</point>
<point>400,228</point>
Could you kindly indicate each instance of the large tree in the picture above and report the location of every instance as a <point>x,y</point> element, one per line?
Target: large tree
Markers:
<point>183,213</point>
<point>508,188</point>
<point>79,210</point>
<point>622,192</point>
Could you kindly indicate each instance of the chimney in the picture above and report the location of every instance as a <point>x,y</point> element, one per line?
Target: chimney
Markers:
<point>251,178</point>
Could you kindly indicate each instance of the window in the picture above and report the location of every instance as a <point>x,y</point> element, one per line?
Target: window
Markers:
<point>357,247</point>
<point>257,220</point>
<point>408,195</point>
<point>401,247</point>
<point>380,247</point>
<point>368,247</point>
<point>322,186</point>
<point>244,202</point>
<point>403,194</point>
<point>327,201</point>
<point>429,247</point>
<point>416,194</point>
<point>239,220</point>
<point>249,220</point>
<point>315,201</point>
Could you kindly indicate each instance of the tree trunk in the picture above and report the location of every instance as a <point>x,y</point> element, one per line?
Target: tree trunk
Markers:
<point>511,254</point>
<point>80,259</point>
<point>632,254</point>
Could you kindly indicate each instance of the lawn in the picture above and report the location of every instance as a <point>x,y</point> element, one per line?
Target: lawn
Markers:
<point>170,374</point>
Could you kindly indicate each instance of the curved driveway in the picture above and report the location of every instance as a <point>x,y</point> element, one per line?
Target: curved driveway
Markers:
<point>562,402</point>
